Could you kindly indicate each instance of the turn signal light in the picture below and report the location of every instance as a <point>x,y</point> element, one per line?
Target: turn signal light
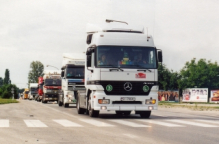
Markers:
<point>150,101</point>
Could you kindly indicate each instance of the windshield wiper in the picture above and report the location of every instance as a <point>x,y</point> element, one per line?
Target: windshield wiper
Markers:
<point>116,69</point>
<point>144,70</point>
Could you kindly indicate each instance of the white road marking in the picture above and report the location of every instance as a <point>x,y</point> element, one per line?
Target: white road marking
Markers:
<point>158,115</point>
<point>96,123</point>
<point>34,123</point>
<point>130,135</point>
<point>4,123</point>
<point>208,121</point>
<point>161,123</point>
<point>192,123</point>
<point>129,123</point>
<point>67,123</point>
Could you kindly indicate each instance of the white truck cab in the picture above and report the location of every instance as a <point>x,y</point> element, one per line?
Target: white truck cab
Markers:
<point>121,71</point>
<point>72,78</point>
<point>33,91</point>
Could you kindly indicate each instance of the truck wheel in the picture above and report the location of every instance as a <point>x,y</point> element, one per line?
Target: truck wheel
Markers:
<point>145,114</point>
<point>80,110</point>
<point>66,105</point>
<point>92,112</point>
<point>60,103</point>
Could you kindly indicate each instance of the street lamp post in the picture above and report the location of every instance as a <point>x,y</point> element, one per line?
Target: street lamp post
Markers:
<point>52,66</point>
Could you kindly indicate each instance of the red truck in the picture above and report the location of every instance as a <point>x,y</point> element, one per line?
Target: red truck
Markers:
<point>49,86</point>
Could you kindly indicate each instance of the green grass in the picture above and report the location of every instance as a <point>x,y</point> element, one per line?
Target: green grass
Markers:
<point>7,101</point>
<point>195,106</point>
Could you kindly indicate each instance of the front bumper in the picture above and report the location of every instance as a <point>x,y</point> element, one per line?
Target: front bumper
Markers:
<point>118,105</point>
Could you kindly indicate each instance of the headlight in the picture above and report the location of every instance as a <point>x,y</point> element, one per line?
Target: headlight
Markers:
<point>103,101</point>
<point>150,101</point>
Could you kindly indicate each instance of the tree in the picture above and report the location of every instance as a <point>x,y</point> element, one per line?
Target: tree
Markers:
<point>167,79</point>
<point>5,91</point>
<point>203,74</point>
<point>7,77</point>
<point>1,82</point>
<point>36,69</point>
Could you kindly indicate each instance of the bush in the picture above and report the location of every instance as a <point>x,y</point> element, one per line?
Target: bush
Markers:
<point>6,94</point>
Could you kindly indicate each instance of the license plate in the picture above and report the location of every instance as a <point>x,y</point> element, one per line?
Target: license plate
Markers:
<point>127,98</point>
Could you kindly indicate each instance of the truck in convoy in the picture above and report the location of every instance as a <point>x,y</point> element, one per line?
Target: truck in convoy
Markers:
<point>33,90</point>
<point>39,95</point>
<point>72,78</point>
<point>51,85</point>
<point>121,71</point>
<point>25,93</point>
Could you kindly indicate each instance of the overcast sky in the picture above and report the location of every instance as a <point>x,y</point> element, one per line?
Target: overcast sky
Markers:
<point>42,30</point>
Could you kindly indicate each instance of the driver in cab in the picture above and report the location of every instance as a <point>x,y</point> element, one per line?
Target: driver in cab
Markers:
<point>139,59</point>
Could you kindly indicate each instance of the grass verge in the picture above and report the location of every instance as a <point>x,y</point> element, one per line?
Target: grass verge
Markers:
<point>7,101</point>
<point>192,106</point>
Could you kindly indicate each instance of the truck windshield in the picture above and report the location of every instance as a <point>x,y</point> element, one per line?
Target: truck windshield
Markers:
<point>73,72</point>
<point>126,57</point>
<point>52,82</point>
<point>33,90</point>
<point>26,92</point>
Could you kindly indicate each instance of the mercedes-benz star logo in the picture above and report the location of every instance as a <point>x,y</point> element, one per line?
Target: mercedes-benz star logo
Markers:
<point>127,86</point>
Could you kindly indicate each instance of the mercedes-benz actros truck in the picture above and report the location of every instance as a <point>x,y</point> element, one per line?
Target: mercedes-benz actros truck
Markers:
<point>121,70</point>
<point>72,78</point>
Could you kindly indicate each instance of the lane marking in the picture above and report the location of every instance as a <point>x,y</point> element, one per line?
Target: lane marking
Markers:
<point>34,123</point>
<point>192,123</point>
<point>67,123</point>
<point>96,123</point>
<point>162,123</point>
<point>208,121</point>
<point>158,115</point>
<point>4,123</point>
<point>123,122</point>
<point>130,135</point>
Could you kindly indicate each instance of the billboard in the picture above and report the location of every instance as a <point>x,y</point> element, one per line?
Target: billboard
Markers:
<point>168,96</point>
<point>195,95</point>
<point>214,96</point>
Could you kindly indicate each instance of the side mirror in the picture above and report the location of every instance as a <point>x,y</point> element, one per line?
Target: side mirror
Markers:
<point>88,60</point>
<point>89,38</point>
<point>160,56</point>
<point>62,74</point>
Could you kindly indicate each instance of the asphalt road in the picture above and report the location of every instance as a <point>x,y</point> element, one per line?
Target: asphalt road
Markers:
<point>36,123</point>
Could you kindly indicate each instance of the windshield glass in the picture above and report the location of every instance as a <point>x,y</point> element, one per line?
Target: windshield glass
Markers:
<point>126,57</point>
<point>26,92</point>
<point>52,82</point>
<point>33,90</point>
<point>73,72</point>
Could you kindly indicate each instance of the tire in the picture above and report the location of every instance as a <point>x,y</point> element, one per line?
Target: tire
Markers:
<point>92,112</point>
<point>66,105</point>
<point>145,114</point>
<point>80,110</point>
<point>60,103</point>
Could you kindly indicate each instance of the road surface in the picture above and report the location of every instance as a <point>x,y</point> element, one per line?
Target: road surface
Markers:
<point>36,123</point>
